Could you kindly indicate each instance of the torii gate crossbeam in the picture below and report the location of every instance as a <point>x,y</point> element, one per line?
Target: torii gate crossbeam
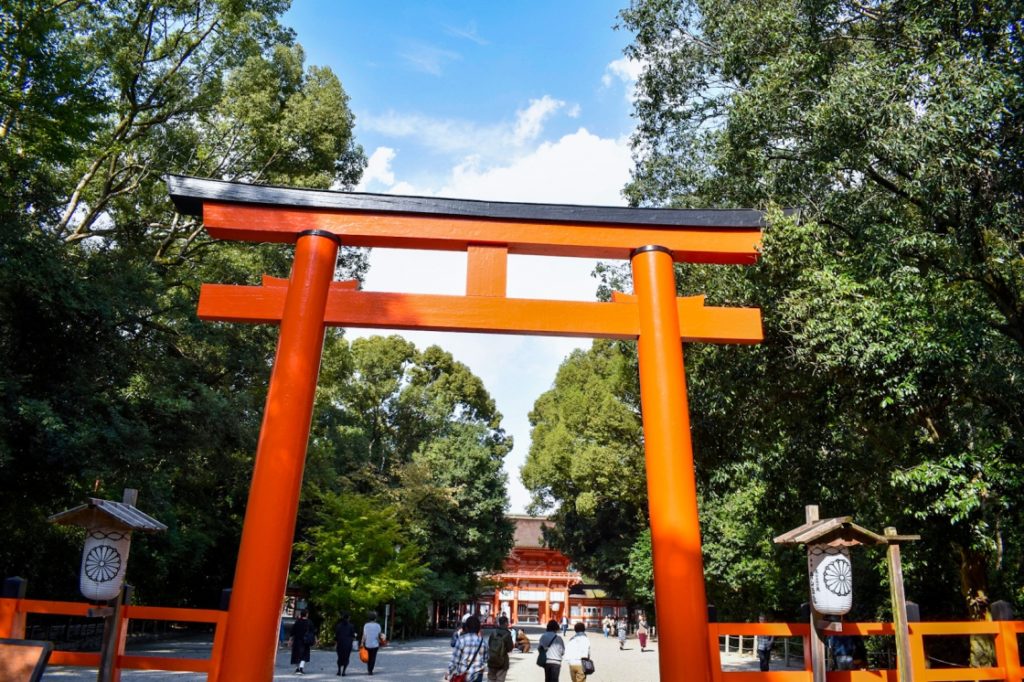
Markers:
<point>319,221</point>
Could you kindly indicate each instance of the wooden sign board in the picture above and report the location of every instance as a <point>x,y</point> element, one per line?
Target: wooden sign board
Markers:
<point>23,660</point>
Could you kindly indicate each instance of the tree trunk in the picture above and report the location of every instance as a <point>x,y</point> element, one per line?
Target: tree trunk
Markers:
<point>974,588</point>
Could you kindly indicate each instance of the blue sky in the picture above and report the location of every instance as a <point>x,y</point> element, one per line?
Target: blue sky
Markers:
<point>517,101</point>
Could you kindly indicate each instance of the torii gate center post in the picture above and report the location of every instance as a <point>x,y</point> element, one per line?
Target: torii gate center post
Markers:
<point>317,222</point>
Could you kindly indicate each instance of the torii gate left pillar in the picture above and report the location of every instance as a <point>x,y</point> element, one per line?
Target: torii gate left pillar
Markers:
<point>317,222</point>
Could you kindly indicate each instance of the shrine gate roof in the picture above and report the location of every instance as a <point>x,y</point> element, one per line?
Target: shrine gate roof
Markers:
<point>189,193</point>
<point>528,531</point>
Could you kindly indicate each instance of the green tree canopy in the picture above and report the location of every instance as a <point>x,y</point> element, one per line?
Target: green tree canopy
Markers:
<point>888,385</point>
<point>357,556</point>
<point>419,429</point>
<point>109,379</point>
<point>586,459</point>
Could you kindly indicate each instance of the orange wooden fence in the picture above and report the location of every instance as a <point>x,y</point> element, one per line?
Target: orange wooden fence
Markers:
<point>1004,634</point>
<point>12,624</point>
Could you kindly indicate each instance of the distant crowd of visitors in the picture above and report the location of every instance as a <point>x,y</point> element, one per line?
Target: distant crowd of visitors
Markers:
<point>473,656</point>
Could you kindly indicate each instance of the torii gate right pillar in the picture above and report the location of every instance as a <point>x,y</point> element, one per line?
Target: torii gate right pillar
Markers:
<point>671,482</point>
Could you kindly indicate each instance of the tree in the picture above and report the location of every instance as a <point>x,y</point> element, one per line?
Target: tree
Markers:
<point>893,306</point>
<point>417,429</point>
<point>357,557</point>
<point>586,460</point>
<point>109,380</point>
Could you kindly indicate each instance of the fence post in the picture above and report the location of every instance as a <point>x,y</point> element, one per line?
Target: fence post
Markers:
<point>1007,651</point>
<point>918,659</point>
<point>716,657</point>
<point>12,619</point>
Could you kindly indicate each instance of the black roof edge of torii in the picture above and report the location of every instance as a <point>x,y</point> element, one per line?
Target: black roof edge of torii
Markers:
<point>189,193</point>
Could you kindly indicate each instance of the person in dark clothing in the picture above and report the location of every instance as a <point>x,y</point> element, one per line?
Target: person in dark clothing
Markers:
<point>843,648</point>
<point>303,636</point>
<point>764,647</point>
<point>344,633</point>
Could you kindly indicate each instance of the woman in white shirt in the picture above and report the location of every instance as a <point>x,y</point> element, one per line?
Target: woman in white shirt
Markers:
<point>371,639</point>
<point>576,650</point>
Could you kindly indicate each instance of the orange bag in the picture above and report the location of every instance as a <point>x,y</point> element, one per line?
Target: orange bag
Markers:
<point>364,655</point>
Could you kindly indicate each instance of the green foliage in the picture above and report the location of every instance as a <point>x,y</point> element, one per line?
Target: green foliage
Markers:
<point>108,378</point>
<point>586,454</point>
<point>889,382</point>
<point>640,570</point>
<point>357,557</point>
<point>419,429</point>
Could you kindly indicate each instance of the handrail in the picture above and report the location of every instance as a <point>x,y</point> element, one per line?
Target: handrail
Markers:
<point>1008,667</point>
<point>12,625</point>
<point>1008,660</point>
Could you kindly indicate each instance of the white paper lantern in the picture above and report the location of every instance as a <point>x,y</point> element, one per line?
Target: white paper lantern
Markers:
<point>104,561</point>
<point>831,579</point>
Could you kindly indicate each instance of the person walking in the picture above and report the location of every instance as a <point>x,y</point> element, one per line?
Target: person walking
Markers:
<point>553,647</point>
<point>641,634</point>
<point>764,647</point>
<point>302,637</point>
<point>622,633</point>
<point>576,650</point>
<point>371,640</point>
<point>499,645</point>
<point>470,653</point>
<point>565,625</point>
<point>344,634</point>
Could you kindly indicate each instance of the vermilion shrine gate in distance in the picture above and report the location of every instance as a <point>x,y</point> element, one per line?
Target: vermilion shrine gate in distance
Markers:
<point>319,221</point>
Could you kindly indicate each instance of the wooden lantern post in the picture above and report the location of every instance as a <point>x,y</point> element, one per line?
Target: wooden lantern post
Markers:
<point>842,532</point>
<point>834,533</point>
<point>905,670</point>
<point>121,517</point>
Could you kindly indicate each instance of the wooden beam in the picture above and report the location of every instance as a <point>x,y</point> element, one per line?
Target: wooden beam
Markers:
<point>481,314</point>
<point>815,639</point>
<point>456,233</point>
<point>905,671</point>
<point>486,270</point>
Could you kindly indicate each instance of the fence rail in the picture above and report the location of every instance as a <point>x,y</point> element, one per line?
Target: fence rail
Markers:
<point>13,614</point>
<point>1004,634</point>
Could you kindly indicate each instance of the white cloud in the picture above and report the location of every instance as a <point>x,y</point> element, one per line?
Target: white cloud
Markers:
<point>378,169</point>
<point>428,58</point>
<point>448,136</point>
<point>493,142</point>
<point>467,33</point>
<point>530,121</point>
<point>626,71</point>
<point>577,168</point>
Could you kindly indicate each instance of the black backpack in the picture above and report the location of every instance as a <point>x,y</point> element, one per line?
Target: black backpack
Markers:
<point>497,653</point>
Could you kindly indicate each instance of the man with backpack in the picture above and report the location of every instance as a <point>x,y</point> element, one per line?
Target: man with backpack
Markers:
<point>499,645</point>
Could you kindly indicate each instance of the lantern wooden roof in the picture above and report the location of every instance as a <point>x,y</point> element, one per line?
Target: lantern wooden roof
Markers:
<point>838,531</point>
<point>106,513</point>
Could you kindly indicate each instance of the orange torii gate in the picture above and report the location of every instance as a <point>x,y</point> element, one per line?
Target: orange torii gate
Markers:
<point>319,221</point>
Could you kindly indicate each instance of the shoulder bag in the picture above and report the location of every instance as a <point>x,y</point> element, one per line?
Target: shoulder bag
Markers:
<point>588,666</point>
<point>464,677</point>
